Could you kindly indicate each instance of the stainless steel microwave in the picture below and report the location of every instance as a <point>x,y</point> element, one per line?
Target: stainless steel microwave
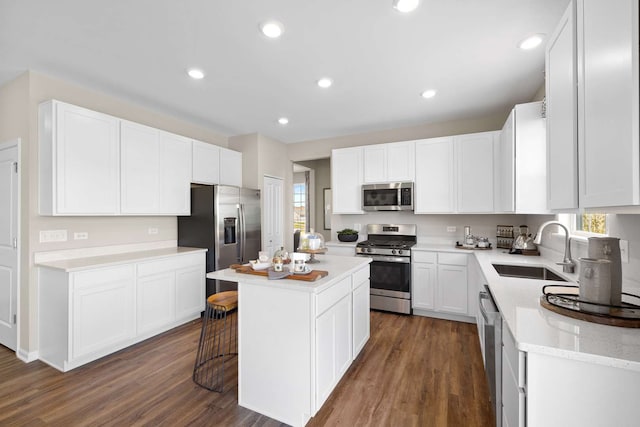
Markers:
<point>395,196</point>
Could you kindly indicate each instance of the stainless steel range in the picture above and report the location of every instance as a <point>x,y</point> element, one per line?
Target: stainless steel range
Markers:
<point>389,245</point>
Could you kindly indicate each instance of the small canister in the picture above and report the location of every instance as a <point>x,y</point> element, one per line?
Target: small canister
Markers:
<point>595,284</point>
<point>277,264</point>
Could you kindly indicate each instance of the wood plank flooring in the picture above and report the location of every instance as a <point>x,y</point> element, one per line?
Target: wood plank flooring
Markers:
<point>414,371</point>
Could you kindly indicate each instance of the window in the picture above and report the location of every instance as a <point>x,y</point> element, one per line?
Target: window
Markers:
<point>591,223</point>
<point>300,207</point>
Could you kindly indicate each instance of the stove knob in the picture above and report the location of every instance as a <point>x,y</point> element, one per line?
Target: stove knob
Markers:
<point>369,250</point>
<point>393,251</point>
<point>400,252</point>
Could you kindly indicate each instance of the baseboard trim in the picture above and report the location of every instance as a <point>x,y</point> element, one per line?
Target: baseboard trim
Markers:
<point>27,357</point>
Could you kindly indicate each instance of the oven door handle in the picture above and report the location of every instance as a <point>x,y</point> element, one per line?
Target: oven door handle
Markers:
<point>387,258</point>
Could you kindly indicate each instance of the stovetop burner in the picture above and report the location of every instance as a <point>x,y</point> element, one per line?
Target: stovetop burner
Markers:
<point>388,240</point>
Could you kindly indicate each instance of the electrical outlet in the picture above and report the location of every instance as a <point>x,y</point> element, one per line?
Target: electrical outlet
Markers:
<point>152,230</point>
<point>451,229</point>
<point>53,236</point>
<point>624,251</point>
<point>81,236</point>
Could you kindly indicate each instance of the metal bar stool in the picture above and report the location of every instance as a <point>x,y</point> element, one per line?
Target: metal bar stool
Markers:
<point>218,340</point>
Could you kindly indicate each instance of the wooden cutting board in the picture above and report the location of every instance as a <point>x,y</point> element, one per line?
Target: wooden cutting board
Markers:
<point>311,277</point>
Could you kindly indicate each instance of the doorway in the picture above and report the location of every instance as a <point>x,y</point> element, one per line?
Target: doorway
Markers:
<point>272,214</point>
<point>311,182</point>
<point>9,242</point>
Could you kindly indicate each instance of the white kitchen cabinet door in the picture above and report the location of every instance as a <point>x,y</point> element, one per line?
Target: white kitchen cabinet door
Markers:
<point>103,309</point>
<point>206,163</point>
<point>452,289</point>
<point>506,196</point>
<point>230,167</point>
<point>608,141</point>
<point>562,114</point>
<point>401,161</point>
<point>346,180</point>
<point>78,161</point>
<point>140,169</point>
<point>155,306</point>
<point>175,174</point>
<point>434,190</point>
<point>392,162</point>
<point>423,282</point>
<point>190,290</point>
<point>475,172</point>
<point>333,347</point>
<point>375,163</point>
<point>361,315</point>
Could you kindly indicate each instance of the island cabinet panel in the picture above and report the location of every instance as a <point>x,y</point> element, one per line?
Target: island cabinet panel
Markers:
<point>87,314</point>
<point>296,344</point>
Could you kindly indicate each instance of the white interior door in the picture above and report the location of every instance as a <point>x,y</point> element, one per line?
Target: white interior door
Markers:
<point>272,214</point>
<point>9,244</point>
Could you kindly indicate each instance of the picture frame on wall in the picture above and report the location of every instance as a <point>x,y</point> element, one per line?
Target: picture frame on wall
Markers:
<point>327,197</point>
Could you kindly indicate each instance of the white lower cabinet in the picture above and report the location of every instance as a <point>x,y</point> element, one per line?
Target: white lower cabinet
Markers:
<point>85,315</point>
<point>102,307</point>
<point>361,310</point>
<point>440,285</point>
<point>513,381</point>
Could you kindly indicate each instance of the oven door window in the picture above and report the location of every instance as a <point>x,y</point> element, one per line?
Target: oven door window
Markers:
<point>381,197</point>
<point>391,276</point>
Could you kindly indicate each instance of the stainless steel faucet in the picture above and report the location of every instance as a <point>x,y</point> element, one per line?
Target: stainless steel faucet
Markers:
<point>568,265</point>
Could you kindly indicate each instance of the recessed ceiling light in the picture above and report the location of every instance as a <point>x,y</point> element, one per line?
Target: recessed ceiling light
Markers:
<point>272,29</point>
<point>195,73</point>
<point>405,6</point>
<point>283,120</point>
<point>531,42</point>
<point>430,93</point>
<point>325,82</point>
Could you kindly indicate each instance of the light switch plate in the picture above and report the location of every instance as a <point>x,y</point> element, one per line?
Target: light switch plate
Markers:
<point>451,229</point>
<point>53,236</point>
<point>624,251</point>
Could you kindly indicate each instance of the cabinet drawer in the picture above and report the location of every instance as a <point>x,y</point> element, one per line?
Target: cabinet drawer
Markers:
<point>452,259</point>
<point>328,298</point>
<point>360,276</point>
<point>428,257</point>
<point>100,276</point>
<point>171,263</point>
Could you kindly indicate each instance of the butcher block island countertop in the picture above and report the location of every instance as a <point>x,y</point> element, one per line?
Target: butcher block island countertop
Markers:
<point>297,339</point>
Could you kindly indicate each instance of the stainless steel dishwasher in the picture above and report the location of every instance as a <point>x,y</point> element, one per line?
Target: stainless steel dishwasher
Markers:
<point>490,323</point>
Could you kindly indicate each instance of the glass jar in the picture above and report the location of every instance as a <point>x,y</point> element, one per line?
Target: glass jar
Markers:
<point>311,241</point>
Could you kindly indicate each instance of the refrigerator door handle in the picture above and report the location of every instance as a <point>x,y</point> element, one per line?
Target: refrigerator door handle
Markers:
<point>242,234</point>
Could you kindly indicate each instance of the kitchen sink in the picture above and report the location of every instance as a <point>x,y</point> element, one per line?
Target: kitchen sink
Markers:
<point>527,272</point>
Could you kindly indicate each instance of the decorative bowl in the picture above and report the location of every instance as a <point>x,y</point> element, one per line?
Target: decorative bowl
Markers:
<point>257,265</point>
<point>347,237</point>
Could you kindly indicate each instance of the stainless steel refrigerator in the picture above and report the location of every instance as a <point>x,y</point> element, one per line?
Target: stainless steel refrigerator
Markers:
<point>226,221</point>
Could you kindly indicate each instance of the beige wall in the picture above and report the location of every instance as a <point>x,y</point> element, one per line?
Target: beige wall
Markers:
<point>19,118</point>
<point>321,148</point>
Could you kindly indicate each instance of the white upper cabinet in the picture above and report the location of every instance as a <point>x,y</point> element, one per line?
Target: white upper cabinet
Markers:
<point>230,167</point>
<point>346,180</point>
<point>206,163</point>
<point>392,162</point>
<point>562,115</point>
<point>79,161</point>
<point>434,190</point>
<point>592,114</point>
<point>608,144</point>
<point>155,171</point>
<point>523,162</point>
<point>475,158</point>
<point>140,169</point>
<point>175,174</point>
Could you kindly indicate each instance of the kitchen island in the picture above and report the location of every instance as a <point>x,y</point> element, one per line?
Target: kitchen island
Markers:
<point>296,339</point>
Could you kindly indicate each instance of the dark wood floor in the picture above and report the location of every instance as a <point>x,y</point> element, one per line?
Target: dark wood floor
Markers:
<point>414,371</point>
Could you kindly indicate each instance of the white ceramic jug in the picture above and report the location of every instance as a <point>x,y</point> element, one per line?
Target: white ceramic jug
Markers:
<point>609,248</point>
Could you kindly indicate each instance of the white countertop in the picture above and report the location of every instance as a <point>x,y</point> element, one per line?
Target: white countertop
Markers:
<point>338,267</point>
<point>539,330</point>
<point>78,264</point>
<point>339,244</point>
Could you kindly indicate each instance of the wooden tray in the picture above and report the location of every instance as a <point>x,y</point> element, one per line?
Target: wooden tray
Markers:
<point>617,316</point>
<point>475,248</point>
<point>311,277</point>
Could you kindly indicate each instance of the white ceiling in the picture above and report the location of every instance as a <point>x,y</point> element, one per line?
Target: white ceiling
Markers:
<point>380,60</point>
